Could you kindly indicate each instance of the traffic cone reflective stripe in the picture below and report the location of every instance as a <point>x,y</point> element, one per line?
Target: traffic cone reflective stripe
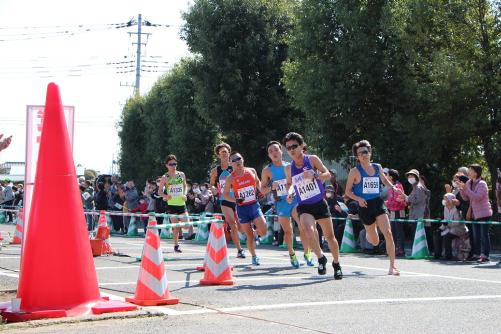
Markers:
<point>18,234</point>
<point>348,244</point>
<point>420,245</point>
<point>217,265</point>
<point>152,287</point>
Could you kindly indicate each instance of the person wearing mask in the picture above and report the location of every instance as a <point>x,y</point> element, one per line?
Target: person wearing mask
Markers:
<point>476,190</point>
<point>417,200</point>
<point>444,236</point>
<point>396,208</point>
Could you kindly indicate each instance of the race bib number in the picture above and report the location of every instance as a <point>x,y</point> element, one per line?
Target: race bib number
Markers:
<point>282,187</point>
<point>222,183</point>
<point>248,194</point>
<point>306,189</point>
<point>370,185</point>
<point>176,190</point>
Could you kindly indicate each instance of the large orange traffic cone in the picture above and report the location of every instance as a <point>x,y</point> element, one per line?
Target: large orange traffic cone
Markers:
<point>217,264</point>
<point>152,287</point>
<point>57,276</point>
<point>101,243</point>
<point>18,234</point>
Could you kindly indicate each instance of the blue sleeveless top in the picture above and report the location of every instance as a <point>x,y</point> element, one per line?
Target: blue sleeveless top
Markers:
<point>278,175</point>
<point>369,186</point>
<point>307,191</point>
<point>222,174</point>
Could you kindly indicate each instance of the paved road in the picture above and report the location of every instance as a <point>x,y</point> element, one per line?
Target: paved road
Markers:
<point>438,297</point>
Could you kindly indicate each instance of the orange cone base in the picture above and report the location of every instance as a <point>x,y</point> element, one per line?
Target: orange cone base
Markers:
<point>98,307</point>
<point>223,282</point>
<point>153,302</point>
<point>15,241</point>
<point>202,268</point>
<point>112,306</point>
<point>11,316</point>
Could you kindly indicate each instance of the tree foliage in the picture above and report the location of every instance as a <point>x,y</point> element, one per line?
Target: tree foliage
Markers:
<point>241,46</point>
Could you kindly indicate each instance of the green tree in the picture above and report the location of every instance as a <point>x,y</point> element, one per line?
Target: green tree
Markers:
<point>133,141</point>
<point>241,46</point>
<point>191,138</point>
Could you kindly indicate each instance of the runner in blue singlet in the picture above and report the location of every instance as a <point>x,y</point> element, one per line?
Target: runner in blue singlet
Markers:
<point>364,186</point>
<point>273,180</point>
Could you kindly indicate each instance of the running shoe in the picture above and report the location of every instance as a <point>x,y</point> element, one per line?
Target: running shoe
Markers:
<point>322,269</point>
<point>177,249</point>
<point>255,261</point>
<point>257,240</point>
<point>309,259</point>
<point>394,271</point>
<point>483,259</point>
<point>241,254</point>
<point>294,261</point>
<point>338,273</point>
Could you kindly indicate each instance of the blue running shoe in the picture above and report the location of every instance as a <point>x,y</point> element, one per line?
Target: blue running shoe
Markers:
<point>294,261</point>
<point>255,261</point>
<point>308,257</point>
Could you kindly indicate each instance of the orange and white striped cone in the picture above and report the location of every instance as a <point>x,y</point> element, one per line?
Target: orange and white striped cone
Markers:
<point>202,267</point>
<point>217,265</point>
<point>101,243</point>
<point>152,286</point>
<point>18,234</point>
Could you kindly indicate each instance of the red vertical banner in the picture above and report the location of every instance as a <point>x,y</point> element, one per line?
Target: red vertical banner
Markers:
<point>34,125</point>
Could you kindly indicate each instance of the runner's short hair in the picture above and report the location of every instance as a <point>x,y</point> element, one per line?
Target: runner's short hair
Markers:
<point>293,136</point>
<point>220,146</point>
<point>170,157</point>
<point>362,143</point>
<point>273,142</point>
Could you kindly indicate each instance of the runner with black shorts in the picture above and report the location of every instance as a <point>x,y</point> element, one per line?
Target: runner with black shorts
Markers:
<point>218,177</point>
<point>363,186</point>
<point>273,180</point>
<point>172,188</point>
<point>305,177</point>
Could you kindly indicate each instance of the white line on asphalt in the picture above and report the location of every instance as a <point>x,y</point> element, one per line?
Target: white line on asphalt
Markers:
<point>2,273</point>
<point>333,302</point>
<point>427,275</point>
<point>10,257</point>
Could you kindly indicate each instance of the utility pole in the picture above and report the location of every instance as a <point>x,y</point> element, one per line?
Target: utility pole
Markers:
<point>138,52</point>
<point>138,56</point>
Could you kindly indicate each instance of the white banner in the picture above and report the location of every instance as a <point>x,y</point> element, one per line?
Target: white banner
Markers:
<point>34,124</point>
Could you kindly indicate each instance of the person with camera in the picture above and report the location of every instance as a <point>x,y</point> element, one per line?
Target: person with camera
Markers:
<point>476,190</point>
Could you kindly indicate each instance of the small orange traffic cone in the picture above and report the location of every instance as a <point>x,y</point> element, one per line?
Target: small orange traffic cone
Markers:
<point>217,264</point>
<point>18,234</point>
<point>101,243</point>
<point>152,286</point>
